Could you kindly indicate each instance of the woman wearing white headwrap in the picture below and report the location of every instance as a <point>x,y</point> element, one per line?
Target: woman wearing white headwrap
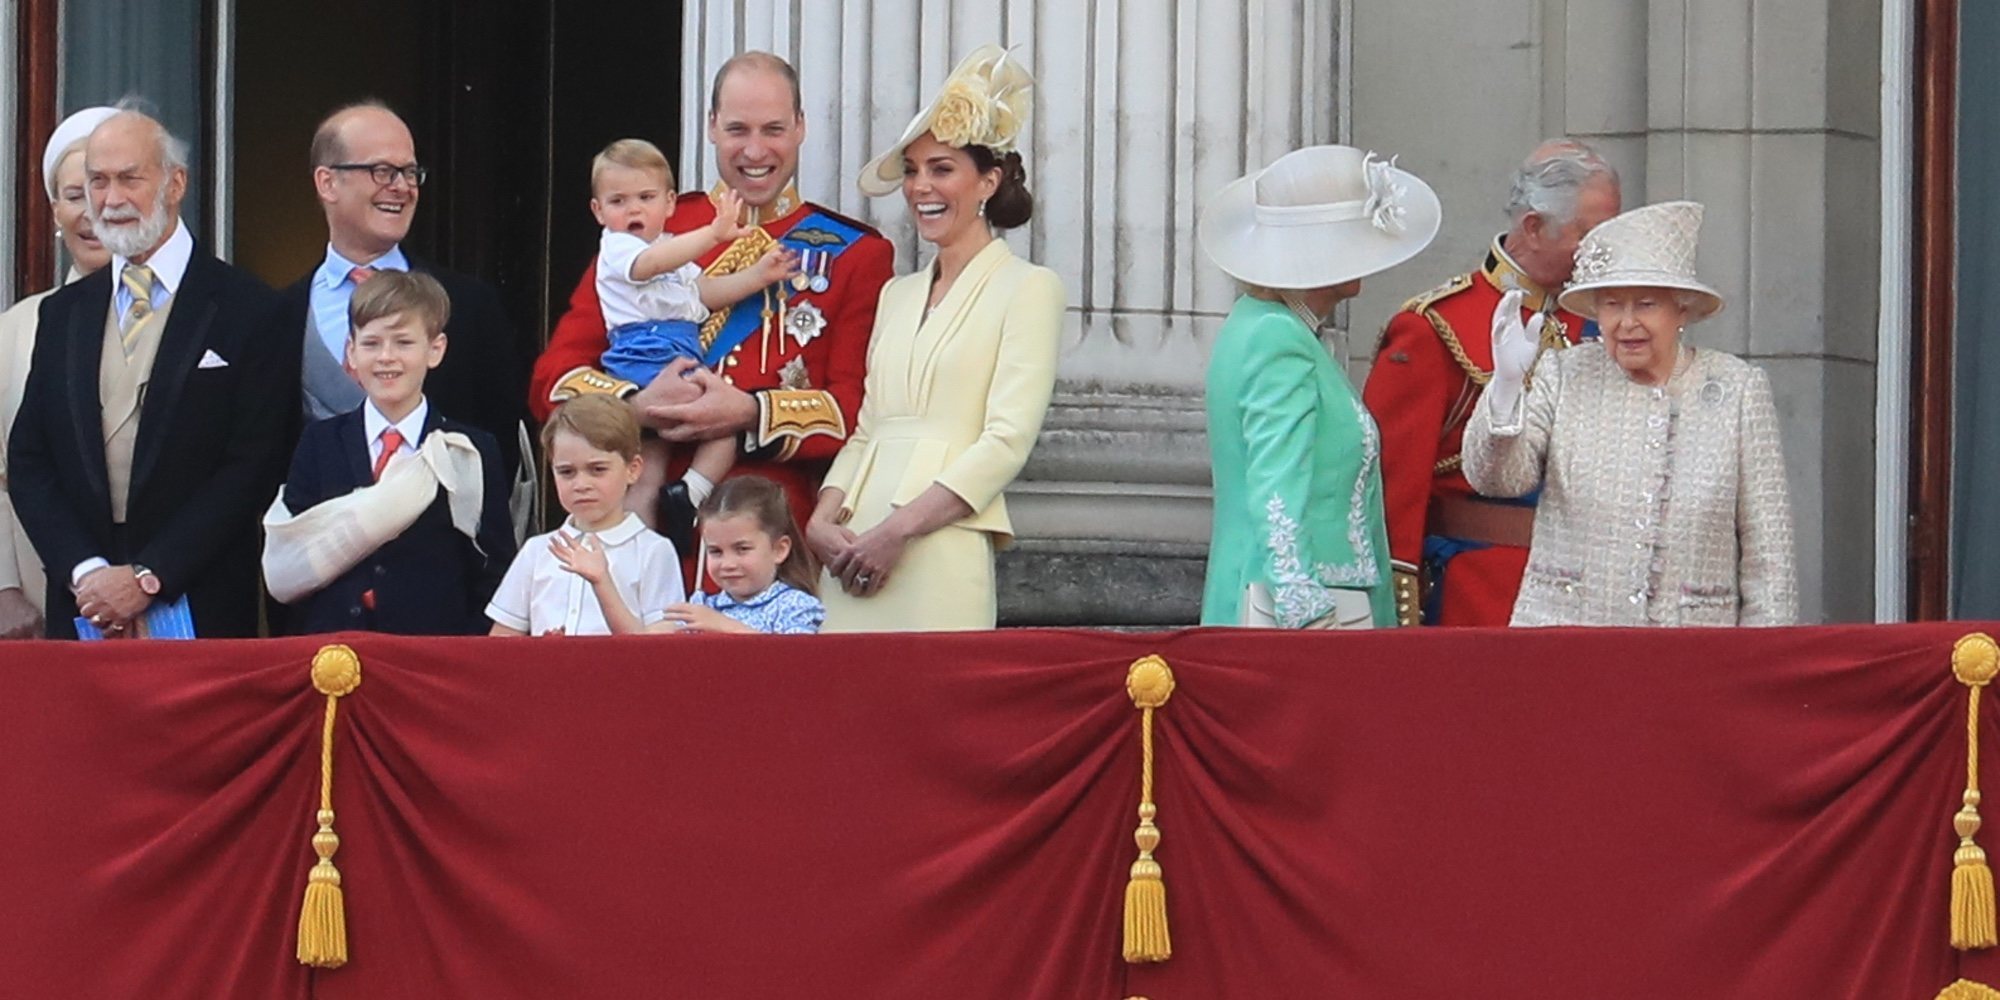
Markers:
<point>21,578</point>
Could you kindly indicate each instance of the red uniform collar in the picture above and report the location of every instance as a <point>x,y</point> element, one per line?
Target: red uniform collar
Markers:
<point>780,210</point>
<point>1502,273</point>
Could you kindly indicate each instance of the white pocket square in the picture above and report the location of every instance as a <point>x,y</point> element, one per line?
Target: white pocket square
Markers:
<point>211,359</point>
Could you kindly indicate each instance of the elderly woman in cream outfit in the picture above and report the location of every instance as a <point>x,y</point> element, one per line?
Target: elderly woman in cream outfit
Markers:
<point>21,579</point>
<point>960,370</point>
<point>1663,485</point>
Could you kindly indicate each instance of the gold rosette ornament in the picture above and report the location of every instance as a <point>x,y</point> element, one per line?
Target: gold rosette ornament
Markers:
<point>336,673</point>
<point>1150,682</point>
<point>1975,660</point>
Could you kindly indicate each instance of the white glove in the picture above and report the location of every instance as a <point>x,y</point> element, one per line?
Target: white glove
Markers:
<point>1515,346</point>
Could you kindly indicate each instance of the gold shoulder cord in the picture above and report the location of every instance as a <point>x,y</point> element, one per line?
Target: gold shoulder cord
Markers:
<point>741,254</point>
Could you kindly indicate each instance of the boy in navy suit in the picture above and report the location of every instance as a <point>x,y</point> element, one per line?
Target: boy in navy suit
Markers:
<point>395,516</point>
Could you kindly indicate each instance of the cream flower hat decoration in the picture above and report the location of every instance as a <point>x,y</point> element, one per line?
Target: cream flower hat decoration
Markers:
<point>985,102</point>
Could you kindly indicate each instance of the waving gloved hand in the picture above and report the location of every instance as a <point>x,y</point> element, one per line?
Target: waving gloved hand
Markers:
<point>1516,344</point>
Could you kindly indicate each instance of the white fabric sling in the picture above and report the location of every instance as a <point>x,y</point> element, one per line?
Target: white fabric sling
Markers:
<point>305,552</point>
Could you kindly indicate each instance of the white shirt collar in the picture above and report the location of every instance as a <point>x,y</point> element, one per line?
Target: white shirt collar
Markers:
<point>335,268</point>
<point>411,426</point>
<point>618,534</point>
<point>169,262</point>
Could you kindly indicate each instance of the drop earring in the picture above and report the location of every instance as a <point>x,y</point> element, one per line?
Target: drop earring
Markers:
<point>982,208</point>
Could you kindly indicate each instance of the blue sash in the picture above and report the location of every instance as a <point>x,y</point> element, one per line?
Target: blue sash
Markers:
<point>819,232</point>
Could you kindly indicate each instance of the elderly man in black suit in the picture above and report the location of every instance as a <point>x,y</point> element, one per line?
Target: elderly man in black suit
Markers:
<point>366,174</point>
<point>152,432</point>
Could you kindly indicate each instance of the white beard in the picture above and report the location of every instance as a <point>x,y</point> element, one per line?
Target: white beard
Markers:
<point>129,239</point>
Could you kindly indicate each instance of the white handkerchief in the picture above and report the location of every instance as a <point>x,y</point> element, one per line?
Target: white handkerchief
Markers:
<point>211,359</point>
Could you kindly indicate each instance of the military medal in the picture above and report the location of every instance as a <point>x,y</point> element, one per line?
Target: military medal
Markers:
<point>823,262</point>
<point>800,281</point>
<point>805,323</point>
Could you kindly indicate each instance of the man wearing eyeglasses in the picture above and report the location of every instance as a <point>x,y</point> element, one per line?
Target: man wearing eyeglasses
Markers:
<point>366,174</point>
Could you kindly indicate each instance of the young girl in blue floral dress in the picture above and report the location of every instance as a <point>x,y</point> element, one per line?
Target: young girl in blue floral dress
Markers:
<point>753,549</point>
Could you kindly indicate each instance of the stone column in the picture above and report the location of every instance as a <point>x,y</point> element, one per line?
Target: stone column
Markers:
<point>1144,109</point>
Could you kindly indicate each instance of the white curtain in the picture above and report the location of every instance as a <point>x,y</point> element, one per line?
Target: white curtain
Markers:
<point>146,49</point>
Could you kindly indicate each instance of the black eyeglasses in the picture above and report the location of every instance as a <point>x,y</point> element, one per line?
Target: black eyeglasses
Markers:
<point>385,174</point>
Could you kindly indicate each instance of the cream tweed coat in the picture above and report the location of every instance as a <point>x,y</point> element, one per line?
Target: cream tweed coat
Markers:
<point>1659,505</point>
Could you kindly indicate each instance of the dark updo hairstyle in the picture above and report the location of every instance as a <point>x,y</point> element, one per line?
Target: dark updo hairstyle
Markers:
<point>1012,205</point>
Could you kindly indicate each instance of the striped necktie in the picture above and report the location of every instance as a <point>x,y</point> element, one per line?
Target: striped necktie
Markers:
<point>138,279</point>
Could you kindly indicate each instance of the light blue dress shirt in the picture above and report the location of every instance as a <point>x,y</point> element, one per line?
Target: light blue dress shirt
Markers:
<point>332,289</point>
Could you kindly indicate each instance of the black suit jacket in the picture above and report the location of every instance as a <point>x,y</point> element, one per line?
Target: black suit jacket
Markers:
<point>482,380</point>
<point>431,579</point>
<point>211,445</point>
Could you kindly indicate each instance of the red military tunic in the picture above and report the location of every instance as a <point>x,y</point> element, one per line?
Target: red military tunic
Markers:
<point>808,398</point>
<point>1435,357</point>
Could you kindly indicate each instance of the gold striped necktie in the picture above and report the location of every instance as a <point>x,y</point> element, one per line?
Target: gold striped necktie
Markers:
<point>138,280</point>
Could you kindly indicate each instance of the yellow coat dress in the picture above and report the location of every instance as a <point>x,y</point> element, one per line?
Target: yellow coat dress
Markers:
<point>956,399</point>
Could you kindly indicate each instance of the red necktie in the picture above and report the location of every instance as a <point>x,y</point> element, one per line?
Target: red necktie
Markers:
<point>360,274</point>
<point>392,440</point>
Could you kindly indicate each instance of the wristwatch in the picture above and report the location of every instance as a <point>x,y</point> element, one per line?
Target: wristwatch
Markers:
<point>146,580</point>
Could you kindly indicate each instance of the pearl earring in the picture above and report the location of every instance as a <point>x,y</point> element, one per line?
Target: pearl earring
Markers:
<point>982,208</point>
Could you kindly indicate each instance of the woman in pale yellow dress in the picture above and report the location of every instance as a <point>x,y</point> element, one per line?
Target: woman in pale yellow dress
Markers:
<point>960,370</point>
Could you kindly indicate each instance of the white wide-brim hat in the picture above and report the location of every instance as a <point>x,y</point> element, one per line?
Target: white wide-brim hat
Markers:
<point>984,102</point>
<point>1648,247</point>
<point>72,131</point>
<point>1317,217</point>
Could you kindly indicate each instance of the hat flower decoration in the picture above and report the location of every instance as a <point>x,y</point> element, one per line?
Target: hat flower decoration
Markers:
<point>985,101</point>
<point>1385,207</point>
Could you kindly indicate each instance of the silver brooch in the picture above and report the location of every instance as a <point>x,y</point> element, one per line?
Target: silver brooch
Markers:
<point>1593,261</point>
<point>794,375</point>
<point>804,322</point>
<point>1711,392</point>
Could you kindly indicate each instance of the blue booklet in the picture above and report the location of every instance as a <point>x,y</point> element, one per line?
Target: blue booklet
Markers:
<point>162,620</point>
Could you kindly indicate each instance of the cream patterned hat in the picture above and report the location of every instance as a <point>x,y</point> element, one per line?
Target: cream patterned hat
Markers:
<point>985,102</point>
<point>1648,247</point>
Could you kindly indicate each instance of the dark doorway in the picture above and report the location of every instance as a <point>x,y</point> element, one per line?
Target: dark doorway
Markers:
<point>508,101</point>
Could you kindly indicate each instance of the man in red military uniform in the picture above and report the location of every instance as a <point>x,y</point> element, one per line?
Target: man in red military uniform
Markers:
<point>784,369</point>
<point>1459,556</point>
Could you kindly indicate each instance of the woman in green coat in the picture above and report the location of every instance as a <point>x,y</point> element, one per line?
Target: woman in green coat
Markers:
<point>1298,540</point>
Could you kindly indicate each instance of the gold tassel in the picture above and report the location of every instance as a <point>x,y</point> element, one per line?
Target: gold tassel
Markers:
<point>1150,683</point>
<point>1966,989</point>
<point>1975,659</point>
<point>336,672</point>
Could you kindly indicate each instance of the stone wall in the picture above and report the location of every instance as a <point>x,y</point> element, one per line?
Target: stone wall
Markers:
<point>1763,109</point>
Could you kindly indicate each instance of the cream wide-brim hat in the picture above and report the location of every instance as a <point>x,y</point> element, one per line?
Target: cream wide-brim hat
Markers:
<point>984,102</point>
<point>1652,246</point>
<point>1318,217</point>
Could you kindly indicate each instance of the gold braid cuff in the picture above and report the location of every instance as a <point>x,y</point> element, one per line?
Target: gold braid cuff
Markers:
<point>789,416</point>
<point>1975,659</point>
<point>1409,595</point>
<point>336,672</point>
<point>1150,682</point>
<point>586,381</point>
